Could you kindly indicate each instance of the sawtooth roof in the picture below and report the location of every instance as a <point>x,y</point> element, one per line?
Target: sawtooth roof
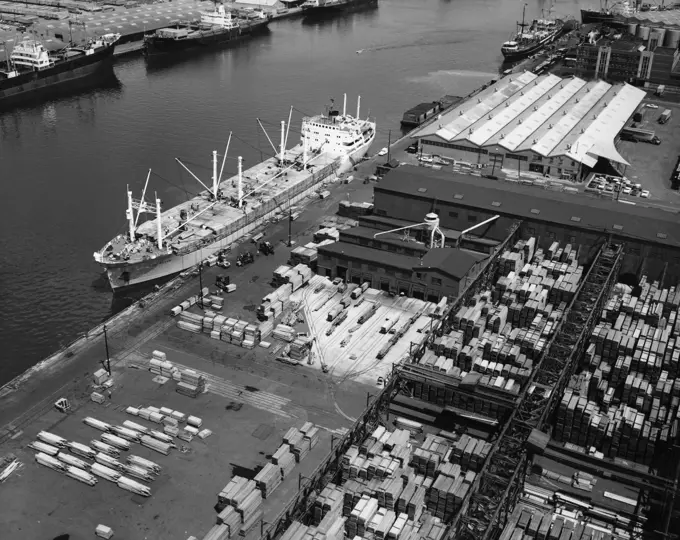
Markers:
<point>546,114</point>
<point>650,225</point>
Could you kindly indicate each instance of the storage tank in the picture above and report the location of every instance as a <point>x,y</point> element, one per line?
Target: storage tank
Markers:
<point>632,28</point>
<point>643,32</point>
<point>657,35</point>
<point>672,39</point>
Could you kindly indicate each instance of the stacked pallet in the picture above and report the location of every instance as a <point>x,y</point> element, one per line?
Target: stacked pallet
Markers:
<point>268,479</point>
<point>626,404</point>
<point>191,383</point>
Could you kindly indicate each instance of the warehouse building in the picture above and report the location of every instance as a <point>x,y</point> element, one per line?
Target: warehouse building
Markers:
<point>545,124</point>
<point>640,55</point>
<point>651,235</point>
<point>398,263</point>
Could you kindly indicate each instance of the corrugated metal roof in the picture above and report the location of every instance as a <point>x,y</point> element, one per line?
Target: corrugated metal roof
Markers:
<point>569,119</point>
<point>597,138</point>
<point>597,215</point>
<point>461,117</point>
<point>528,96</point>
<point>529,126</point>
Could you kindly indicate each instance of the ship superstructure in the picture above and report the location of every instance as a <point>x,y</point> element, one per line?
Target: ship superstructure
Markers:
<point>181,237</point>
<point>528,41</point>
<point>31,67</point>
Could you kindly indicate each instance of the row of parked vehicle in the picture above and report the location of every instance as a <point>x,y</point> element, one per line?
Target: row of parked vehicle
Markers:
<point>612,185</point>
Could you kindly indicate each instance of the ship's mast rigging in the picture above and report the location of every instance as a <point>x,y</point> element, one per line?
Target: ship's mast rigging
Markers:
<point>523,24</point>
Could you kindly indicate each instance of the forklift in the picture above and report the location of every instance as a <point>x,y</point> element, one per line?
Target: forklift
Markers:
<point>221,282</point>
<point>245,258</point>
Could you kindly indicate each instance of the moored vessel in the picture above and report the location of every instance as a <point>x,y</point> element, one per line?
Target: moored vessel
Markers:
<point>607,14</point>
<point>181,237</point>
<point>313,8</point>
<point>218,27</point>
<point>539,33</point>
<point>30,67</point>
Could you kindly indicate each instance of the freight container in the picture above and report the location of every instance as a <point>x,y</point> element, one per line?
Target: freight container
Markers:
<point>665,116</point>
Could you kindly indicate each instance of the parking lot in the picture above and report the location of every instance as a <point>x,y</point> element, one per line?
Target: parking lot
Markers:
<point>652,165</point>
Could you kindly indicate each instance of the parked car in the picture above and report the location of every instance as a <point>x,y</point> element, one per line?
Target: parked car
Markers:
<point>383,152</point>
<point>645,194</point>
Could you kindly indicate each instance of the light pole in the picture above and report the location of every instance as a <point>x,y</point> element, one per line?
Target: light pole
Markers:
<point>108,357</point>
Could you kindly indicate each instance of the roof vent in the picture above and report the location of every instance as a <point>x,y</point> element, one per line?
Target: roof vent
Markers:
<point>507,104</point>
<point>458,196</point>
<point>577,100</point>
<point>662,235</point>
<point>576,219</point>
<point>519,121</point>
<point>606,103</point>
<point>470,131</point>
<point>422,190</point>
<point>561,86</point>
<point>582,131</point>
<point>502,135</point>
<point>550,126</point>
<point>549,96</point>
<point>495,203</point>
<point>618,227</point>
<point>535,211</point>
<point>564,113</point>
<point>490,117</point>
<point>535,141</point>
<point>521,93</point>
<point>479,100</point>
<point>535,108</point>
<point>587,90</point>
<point>460,113</point>
<point>594,117</point>
<point>568,147</point>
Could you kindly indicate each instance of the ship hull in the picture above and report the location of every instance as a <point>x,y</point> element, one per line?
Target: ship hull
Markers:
<point>124,276</point>
<point>155,45</point>
<point>345,7</point>
<point>589,16</point>
<point>520,54</point>
<point>29,85</point>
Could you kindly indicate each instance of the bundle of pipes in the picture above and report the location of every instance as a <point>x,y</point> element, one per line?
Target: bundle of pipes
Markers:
<point>81,450</point>
<point>115,441</point>
<point>68,459</point>
<point>107,473</point>
<point>138,472</point>
<point>50,461</point>
<point>81,476</point>
<point>133,487</point>
<point>108,461</point>
<point>43,448</point>
<point>127,434</point>
<point>105,448</point>
<point>53,440</point>
<point>97,424</point>
<point>145,464</point>
<point>154,444</point>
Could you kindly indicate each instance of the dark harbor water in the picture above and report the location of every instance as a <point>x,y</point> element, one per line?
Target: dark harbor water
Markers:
<point>65,163</point>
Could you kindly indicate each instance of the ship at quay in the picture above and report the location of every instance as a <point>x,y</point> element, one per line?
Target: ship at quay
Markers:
<point>321,8</point>
<point>218,27</point>
<point>531,38</point>
<point>183,236</point>
<point>31,67</point>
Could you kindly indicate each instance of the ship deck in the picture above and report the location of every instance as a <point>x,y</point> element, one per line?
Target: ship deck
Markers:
<point>261,184</point>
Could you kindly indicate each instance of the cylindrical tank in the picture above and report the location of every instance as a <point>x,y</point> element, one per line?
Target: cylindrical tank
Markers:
<point>657,34</point>
<point>632,28</point>
<point>643,32</point>
<point>672,39</point>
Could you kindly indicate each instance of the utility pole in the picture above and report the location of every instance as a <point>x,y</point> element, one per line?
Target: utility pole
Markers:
<point>200,283</point>
<point>290,226</point>
<point>389,144</point>
<point>108,357</point>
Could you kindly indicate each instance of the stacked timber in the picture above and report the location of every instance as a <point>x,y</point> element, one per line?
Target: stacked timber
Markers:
<point>274,303</point>
<point>158,364</point>
<point>156,445</point>
<point>248,506</point>
<point>329,502</point>
<point>284,332</point>
<point>446,495</point>
<point>626,404</point>
<point>97,424</point>
<point>268,479</point>
<point>470,452</point>
<point>284,459</point>
<point>133,487</point>
<point>299,349</point>
<point>73,461</point>
<point>235,485</point>
<point>426,459</point>
<point>218,532</point>
<point>311,433</point>
<point>231,518</point>
<point>280,275</point>
<point>192,322</point>
<point>191,383</point>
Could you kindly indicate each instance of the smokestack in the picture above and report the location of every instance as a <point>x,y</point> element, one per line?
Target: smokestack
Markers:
<point>240,181</point>
<point>283,140</point>
<point>358,106</point>
<point>344,105</point>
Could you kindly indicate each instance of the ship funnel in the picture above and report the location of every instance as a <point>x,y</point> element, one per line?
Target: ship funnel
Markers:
<point>129,214</point>
<point>159,223</point>
<point>344,105</point>
<point>214,186</point>
<point>358,106</point>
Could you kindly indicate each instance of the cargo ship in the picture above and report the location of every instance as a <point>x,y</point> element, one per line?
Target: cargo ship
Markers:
<point>181,237</point>
<point>321,8</point>
<point>218,27</point>
<point>607,14</point>
<point>540,32</point>
<point>30,67</point>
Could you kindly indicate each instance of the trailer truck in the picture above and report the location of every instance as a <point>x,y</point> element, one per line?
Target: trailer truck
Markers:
<point>639,135</point>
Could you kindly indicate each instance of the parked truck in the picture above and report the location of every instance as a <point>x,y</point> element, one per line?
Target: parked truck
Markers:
<point>665,116</point>
<point>639,135</point>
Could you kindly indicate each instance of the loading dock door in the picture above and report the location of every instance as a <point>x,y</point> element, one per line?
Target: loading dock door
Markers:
<point>341,272</point>
<point>404,288</point>
<point>385,285</point>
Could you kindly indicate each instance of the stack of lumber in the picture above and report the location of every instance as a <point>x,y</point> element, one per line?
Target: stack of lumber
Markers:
<point>361,516</point>
<point>191,383</point>
<point>151,414</point>
<point>284,332</point>
<point>251,336</point>
<point>626,404</point>
<point>218,532</point>
<point>284,459</point>
<point>280,275</point>
<point>158,364</point>
<point>445,497</point>
<point>426,459</point>
<point>231,518</point>
<point>248,506</point>
<point>268,479</point>
<point>192,322</point>
<point>299,445</point>
<point>156,445</point>
<point>216,302</point>
<point>310,432</point>
<point>235,485</point>
<point>97,424</point>
<point>275,302</point>
<point>299,349</point>
<point>470,453</point>
<point>499,333</point>
<point>329,502</point>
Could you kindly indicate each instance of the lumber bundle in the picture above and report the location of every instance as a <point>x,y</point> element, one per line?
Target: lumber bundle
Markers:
<point>156,445</point>
<point>50,461</point>
<point>158,364</point>
<point>81,476</point>
<point>133,487</point>
<point>284,332</point>
<point>470,452</point>
<point>268,479</point>
<point>81,450</point>
<point>218,532</point>
<point>53,440</point>
<point>330,500</point>
<point>299,349</point>
<point>145,464</point>
<point>138,472</point>
<point>231,518</point>
<point>68,459</point>
<point>44,448</point>
<point>107,473</point>
<point>108,461</point>
<point>235,485</point>
<point>248,506</point>
<point>626,404</point>
<point>97,424</point>
<point>191,383</point>
<point>126,433</point>
<point>115,441</point>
